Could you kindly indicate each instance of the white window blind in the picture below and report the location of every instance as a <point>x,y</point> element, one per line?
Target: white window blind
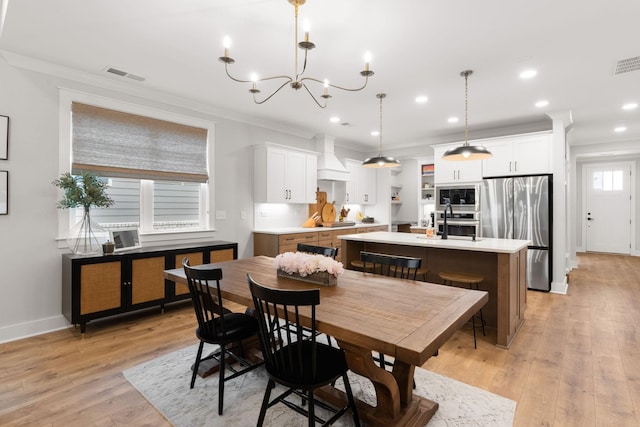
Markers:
<point>116,144</point>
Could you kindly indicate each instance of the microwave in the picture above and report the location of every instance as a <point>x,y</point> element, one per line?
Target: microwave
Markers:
<point>460,197</point>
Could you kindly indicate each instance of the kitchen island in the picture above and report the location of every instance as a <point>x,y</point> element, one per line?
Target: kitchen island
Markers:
<point>502,262</point>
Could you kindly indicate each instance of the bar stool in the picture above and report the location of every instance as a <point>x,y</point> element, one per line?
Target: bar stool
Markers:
<point>473,281</point>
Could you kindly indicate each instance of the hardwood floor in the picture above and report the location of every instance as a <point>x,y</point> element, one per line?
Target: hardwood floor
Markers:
<point>574,363</point>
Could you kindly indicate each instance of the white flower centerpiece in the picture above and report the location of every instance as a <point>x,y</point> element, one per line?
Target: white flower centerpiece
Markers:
<point>307,267</point>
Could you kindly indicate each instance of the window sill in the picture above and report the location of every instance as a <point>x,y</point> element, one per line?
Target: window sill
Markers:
<point>156,238</point>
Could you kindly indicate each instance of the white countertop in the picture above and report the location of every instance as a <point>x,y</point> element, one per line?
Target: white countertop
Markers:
<point>287,230</point>
<point>453,242</point>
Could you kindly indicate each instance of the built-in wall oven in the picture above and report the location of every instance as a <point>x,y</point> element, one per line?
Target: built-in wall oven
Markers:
<point>464,217</point>
<point>461,197</point>
<point>460,223</point>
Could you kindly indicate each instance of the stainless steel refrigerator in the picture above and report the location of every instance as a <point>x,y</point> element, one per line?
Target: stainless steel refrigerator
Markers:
<point>521,208</point>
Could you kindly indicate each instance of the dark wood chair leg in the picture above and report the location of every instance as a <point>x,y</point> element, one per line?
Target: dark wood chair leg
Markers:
<point>197,364</point>
<point>221,380</point>
<point>265,402</point>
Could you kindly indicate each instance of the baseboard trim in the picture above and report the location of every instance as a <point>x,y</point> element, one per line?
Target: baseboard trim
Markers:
<point>33,328</point>
<point>560,288</point>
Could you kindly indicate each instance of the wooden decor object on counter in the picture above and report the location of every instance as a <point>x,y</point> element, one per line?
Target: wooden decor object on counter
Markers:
<point>329,213</point>
<point>321,200</point>
<point>313,220</point>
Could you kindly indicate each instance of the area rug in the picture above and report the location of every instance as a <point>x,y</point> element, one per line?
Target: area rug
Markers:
<point>164,382</point>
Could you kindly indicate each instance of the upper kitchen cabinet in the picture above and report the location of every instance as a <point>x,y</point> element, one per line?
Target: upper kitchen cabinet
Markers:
<point>518,155</point>
<point>284,175</point>
<point>447,171</point>
<point>361,187</point>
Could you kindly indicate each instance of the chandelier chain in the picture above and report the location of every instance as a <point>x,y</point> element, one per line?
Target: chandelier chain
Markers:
<point>466,108</point>
<point>381,96</point>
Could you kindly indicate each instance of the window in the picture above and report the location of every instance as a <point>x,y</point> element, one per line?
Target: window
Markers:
<point>608,180</point>
<point>156,163</point>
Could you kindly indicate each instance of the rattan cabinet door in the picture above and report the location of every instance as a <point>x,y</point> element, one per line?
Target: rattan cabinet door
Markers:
<point>100,287</point>
<point>147,279</point>
<point>195,258</point>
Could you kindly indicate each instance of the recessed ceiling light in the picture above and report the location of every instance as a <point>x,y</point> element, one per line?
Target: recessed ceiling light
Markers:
<point>542,103</point>
<point>620,129</point>
<point>527,74</point>
<point>334,119</point>
<point>375,133</point>
<point>421,99</point>
<point>452,120</point>
<point>630,106</point>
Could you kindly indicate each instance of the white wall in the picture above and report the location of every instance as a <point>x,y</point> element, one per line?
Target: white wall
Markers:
<point>30,260</point>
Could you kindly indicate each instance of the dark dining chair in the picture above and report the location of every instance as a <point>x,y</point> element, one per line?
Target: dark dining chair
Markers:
<point>391,265</point>
<point>217,325</point>
<point>322,250</point>
<point>299,363</point>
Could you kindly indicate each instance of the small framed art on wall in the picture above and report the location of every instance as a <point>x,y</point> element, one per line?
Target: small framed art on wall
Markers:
<point>4,192</point>
<point>4,137</point>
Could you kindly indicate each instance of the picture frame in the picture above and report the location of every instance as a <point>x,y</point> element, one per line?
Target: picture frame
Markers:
<point>125,239</point>
<point>4,137</point>
<point>4,192</point>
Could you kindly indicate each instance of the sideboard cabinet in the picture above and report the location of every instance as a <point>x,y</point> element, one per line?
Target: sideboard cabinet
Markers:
<point>98,286</point>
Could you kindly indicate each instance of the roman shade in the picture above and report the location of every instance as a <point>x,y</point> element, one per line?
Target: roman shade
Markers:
<point>116,144</point>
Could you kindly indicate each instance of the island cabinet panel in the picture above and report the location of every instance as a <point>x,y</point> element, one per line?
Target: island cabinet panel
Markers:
<point>98,286</point>
<point>502,264</point>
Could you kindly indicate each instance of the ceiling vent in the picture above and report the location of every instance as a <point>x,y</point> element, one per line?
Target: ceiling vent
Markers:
<point>626,65</point>
<point>124,74</point>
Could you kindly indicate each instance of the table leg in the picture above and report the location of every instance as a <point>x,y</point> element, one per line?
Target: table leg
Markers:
<point>396,403</point>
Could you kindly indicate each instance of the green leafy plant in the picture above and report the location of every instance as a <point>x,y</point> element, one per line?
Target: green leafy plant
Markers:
<point>84,190</point>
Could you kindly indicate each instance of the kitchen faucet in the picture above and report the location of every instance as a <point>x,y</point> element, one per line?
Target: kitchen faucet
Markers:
<point>445,230</point>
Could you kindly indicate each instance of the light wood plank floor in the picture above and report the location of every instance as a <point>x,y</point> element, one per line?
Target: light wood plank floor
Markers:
<point>574,363</point>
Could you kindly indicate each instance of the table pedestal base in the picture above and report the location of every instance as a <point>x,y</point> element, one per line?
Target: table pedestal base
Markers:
<point>396,403</point>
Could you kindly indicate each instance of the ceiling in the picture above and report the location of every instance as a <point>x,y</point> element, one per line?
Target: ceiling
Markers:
<point>419,47</point>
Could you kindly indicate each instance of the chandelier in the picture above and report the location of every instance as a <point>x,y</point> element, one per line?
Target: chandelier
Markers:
<point>381,161</point>
<point>466,151</point>
<point>297,80</point>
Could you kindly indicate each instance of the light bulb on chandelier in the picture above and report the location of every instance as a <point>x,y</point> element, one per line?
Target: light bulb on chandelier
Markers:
<point>297,81</point>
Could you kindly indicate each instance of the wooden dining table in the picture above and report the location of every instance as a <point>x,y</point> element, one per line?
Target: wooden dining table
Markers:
<point>408,320</point>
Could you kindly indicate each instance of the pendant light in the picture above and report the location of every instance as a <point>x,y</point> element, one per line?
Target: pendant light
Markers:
<point>381,161</point>
<point>466,151</point>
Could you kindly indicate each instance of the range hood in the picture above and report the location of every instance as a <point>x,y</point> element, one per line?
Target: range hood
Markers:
<point>329,167</point>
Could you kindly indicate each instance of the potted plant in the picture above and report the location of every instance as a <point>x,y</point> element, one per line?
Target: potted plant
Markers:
<point>84,190</point>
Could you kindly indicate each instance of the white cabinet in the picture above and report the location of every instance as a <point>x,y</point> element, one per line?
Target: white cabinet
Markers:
<point>284,175</point>
<point>361,187</point>
<point>447,171</point>
<point>518,155</point>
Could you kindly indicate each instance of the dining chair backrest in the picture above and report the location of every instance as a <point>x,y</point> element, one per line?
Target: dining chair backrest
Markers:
<point>293,357</point>
<point>204,287</point>
<point>391,265</point>
<point>322,250</point>
<point>278,313</point>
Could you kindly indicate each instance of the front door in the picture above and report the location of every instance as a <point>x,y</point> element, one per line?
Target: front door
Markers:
<point>608,207</point>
